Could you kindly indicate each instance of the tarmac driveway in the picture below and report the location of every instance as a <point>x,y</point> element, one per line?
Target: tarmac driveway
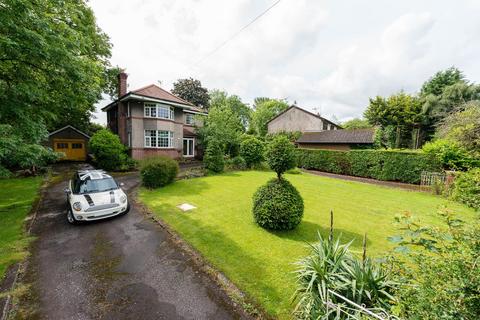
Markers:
<point>121,268</point>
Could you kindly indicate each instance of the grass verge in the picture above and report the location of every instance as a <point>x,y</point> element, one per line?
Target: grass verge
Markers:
<point>16,198</point>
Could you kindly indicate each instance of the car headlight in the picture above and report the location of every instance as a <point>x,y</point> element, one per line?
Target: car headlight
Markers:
<point>123,199</point>
<point>77,206</point>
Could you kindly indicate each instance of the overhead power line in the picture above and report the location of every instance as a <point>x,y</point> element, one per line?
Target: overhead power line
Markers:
<point>208,55</point>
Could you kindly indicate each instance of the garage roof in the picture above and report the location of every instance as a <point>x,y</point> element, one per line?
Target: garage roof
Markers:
<point>360,136</point>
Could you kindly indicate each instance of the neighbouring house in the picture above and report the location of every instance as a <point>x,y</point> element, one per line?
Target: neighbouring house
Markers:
<point>70,141</point>
<point>152,121</point>
<point>337,139</point>
<point>298,119</point>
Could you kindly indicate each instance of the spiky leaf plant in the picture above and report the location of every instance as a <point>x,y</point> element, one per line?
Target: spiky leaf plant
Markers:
<point>331,275</point>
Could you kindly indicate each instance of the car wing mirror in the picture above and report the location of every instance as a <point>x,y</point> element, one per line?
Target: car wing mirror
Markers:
<point>67,191</point>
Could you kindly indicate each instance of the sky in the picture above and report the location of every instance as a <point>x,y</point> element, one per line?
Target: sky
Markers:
<point>327,56</point>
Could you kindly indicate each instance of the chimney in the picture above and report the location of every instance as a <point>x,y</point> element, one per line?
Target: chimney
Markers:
<point>122,83</point>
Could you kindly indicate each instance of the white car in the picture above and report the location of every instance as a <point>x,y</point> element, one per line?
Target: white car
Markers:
<point>94,195</point>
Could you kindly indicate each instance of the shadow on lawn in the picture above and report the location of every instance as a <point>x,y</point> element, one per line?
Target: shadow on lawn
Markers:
<point>307,232</point>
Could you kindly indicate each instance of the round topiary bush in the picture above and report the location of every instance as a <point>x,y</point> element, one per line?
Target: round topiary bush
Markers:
<point>251,149</point>
<point>158,171</point>
<point>277,205</point>
<point>213,158</point>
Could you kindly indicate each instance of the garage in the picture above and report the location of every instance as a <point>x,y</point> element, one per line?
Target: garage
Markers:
<point>70,141</point>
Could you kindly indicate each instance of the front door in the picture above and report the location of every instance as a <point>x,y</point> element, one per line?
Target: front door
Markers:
<point>188,147</point>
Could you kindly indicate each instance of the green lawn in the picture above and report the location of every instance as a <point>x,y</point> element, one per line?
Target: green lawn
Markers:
<point>16,198</point>
<point>260,262</point>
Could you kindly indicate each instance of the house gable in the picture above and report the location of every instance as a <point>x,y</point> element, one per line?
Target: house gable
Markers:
<point>298,119</point>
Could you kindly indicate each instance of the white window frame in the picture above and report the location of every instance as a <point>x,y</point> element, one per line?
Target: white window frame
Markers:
<point>167,113</point>
<point>152,139</point>
<point>189,116</point>
<point>192,140</point>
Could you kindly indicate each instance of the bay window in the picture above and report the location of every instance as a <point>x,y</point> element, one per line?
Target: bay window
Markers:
<point>158,139</point>
<point>156,110</point>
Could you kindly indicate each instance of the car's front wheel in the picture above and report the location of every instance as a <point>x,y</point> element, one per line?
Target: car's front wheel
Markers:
<point>70,217</point>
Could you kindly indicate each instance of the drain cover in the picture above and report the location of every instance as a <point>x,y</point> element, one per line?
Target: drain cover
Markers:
<point>186,207</point>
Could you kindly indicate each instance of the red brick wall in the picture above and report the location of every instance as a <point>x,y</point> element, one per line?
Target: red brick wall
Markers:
<point>122,122</point>
<point>142,153</point>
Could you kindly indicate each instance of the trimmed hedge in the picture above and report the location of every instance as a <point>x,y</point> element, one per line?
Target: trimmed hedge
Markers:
<point>403,166</point>
<point>466,188</point>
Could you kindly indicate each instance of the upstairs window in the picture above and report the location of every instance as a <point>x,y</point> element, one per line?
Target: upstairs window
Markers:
<point>155,110</point>
<point>189,119</point>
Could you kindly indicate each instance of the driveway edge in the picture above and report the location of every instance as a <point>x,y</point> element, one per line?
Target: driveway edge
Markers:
<point>238,300</point>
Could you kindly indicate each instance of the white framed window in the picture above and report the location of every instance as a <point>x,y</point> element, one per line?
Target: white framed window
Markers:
<point>155,110</point>
<point>158,139</point>
<point>189,119</point>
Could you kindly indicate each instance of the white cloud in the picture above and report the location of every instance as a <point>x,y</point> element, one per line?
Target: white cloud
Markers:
<point>329,55</point>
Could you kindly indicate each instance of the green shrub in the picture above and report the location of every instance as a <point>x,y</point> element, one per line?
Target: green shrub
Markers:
<point>158,171</point>
<point>280,155</point>
<point>331,266</point>
<point>385,165</point>
<point>16,153</point>
<point>450,154</point>
<point>236,163</point>
<point>466,188</point>
<point>213,158</point>
<point>251,149</point>
<point>108,152</point>
<point>438,270</point>
<point>277,205</point>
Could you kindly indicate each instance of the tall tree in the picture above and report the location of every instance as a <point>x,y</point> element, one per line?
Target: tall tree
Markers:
<point>463,126</point>
<point>234,103</point>
<point>356,123</point>
<point>442,79</point>
<point>192,91</point>
<point>402,111</point>
<point>265,110</point>
<point>223,126</point>
<point>53,59</point>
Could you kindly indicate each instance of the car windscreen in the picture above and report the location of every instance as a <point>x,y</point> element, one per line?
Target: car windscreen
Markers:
<point>95,185</point>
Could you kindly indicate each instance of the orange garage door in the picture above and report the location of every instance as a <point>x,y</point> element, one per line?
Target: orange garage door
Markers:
<point>73,149</point>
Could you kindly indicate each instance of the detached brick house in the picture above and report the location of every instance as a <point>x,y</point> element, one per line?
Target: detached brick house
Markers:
<point>152,121</point>
<point>298,119</point>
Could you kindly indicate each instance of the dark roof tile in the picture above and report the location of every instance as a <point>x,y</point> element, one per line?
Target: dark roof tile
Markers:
<point>338,136</point>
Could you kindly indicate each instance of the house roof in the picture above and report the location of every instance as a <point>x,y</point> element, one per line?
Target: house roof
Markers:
<point>155,92</point>
<point>359,136</point>
<point>69,127</point>
<point>306,111</point>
